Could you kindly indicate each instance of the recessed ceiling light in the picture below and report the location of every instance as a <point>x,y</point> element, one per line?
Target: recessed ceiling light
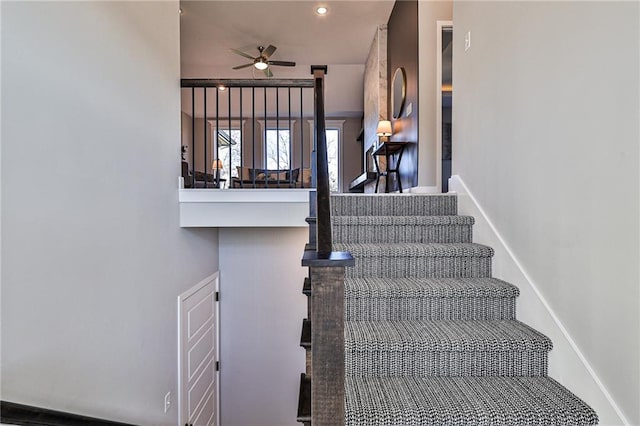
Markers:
<point>322,10</point>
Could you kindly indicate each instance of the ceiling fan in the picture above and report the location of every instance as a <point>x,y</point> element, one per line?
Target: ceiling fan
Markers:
<point>262,61</point>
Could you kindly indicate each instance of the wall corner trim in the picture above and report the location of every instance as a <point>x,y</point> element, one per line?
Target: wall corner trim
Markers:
<point>474,208</point>
<point>423,190</point>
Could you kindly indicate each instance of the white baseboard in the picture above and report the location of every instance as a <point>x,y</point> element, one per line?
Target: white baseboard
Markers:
<point>423,190</point>
<point>567,364</point>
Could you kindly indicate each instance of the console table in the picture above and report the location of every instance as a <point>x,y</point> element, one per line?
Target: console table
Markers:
<point>388,150</point>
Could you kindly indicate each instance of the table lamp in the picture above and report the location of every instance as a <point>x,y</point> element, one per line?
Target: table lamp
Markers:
<point>217,166</point>
<point>384,129</point>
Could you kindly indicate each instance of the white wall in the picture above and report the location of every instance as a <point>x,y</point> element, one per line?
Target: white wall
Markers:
<point>545,132</point>
<point>429,12</point>
<point>93,254</point>
<point>261,312</point>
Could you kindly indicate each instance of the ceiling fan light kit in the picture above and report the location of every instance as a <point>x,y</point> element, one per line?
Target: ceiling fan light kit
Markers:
<point>261,65</point>
<point>262,62</point>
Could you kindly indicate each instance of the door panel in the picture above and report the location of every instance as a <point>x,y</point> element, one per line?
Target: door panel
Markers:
<point>198,353</point>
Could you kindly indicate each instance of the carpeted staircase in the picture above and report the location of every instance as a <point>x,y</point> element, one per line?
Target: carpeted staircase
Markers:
<point>430,337</point>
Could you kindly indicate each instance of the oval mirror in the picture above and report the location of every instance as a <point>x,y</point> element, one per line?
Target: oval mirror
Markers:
<point>398,92</point>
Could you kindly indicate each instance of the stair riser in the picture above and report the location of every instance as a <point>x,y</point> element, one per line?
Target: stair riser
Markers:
<point>402,234</point>
<point>434,205</point>
<point>432,363</point>
<point>433,308</point>
<point>420,267</point>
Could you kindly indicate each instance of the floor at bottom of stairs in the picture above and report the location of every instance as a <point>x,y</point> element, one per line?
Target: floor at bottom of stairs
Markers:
<point>463,401</point>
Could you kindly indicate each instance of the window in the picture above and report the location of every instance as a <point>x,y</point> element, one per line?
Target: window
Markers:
<point>334,136</point>
<point>229,147</point>
<point>277,149</point>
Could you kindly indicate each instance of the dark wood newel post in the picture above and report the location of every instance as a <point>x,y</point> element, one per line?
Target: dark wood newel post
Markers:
<point>327,346</point>
<point>323,194</point>
<point>327,274</point>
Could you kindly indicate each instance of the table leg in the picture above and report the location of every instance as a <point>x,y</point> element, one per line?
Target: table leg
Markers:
<point>375,163</point>
<point>386,182</point>
<point>398,169</point>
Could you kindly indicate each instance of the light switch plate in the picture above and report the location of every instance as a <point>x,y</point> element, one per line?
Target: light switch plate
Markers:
<point>467,41</point>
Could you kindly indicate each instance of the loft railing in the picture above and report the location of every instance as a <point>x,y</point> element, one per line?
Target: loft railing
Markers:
<point>246,133</point>
<point>325,350</point>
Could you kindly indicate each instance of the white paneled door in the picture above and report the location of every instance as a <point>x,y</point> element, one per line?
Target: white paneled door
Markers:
<point>198,354</point>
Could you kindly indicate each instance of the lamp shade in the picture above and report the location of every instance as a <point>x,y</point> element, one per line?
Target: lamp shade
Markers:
<point>217,165</point>
<point>384,128</point>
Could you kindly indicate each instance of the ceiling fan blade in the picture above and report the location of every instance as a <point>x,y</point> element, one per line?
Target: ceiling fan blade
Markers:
<point>238,52</point>
<point>268,72</point>
<point>282,63</point>
<point>269,51</point>
<point>239,67</point>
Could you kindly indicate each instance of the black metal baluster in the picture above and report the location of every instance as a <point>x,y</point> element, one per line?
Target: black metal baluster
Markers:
<point>278,136</point>
<point>193,137</point>
<point>217,133</point>
<point>290,156</point>
<point>264,139</point>
<point>253,133</point>
<point>205,137</point>
<point>301,141</point>
<point>230,140</point>
<point>241,141</point>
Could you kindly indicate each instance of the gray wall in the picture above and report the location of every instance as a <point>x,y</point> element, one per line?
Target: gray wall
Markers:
<point>545,132</point>
<point>429,13</point>
<point>92,253</point>
<point>402,51</point>
<point>262,307</point>
<point>351,156</point>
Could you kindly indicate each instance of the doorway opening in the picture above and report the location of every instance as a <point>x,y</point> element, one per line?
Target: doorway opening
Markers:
<point>444,104</point>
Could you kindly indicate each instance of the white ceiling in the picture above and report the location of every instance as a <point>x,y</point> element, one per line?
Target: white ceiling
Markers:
<point>341,39</point>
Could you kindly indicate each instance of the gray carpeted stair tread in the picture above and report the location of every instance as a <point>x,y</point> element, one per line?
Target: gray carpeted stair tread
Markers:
<point>418,260</point>
<point>462,401</point>
<point>402,229</point>
<point>396,288</point>
<point>393,205</point>
<point>362,250</point>
<point>450,336</point>
<point>402,220</point>
<point>397,299</point>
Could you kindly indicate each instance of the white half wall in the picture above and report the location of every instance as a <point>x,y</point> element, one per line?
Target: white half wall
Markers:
<point>261,313</point>
<point>92,250</point>
<point>545,130</point>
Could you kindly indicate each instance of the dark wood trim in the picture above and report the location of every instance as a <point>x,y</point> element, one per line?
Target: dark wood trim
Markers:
<point>304,399</point>
<point>358,184</point>
<point>20,414</point>
<point>323,193</point>
<point>305,335</point>
<point>322,68</point>
<point>327,346</point>
<point>271,82</point>
<point>335,258</point>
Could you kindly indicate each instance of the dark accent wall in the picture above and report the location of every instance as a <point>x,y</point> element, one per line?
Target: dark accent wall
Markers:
<point>402,51</point>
